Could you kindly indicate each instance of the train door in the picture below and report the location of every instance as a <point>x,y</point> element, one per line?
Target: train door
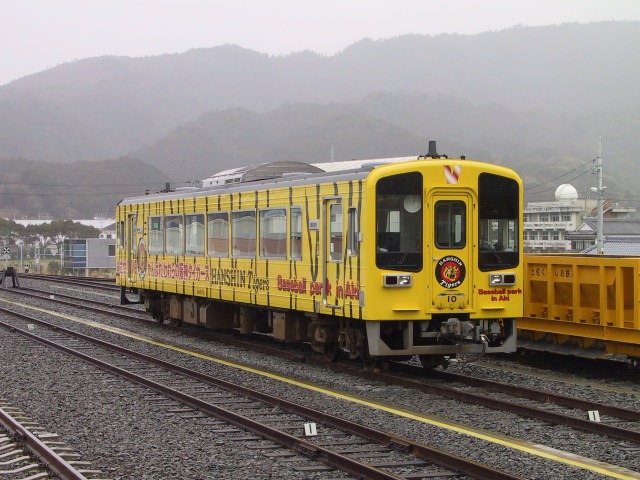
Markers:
<point>333,252</point>
<point>131,247</point>
<point>451,250</point>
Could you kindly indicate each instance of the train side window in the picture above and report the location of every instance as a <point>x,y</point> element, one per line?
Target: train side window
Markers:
<point>353,238</point>
<point>335,232</point>
<point>296,233</point>
<point>194,234</point>
<point>174,235</point>
<point>156,235</point>
<point>273,233</point>
<point>120,235</point>
<point>243,233</point>
<point>450,224</point>
<point>218,234</point>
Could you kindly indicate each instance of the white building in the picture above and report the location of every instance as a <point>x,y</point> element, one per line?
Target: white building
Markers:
<point>546,224</point>
<point>550,227</point>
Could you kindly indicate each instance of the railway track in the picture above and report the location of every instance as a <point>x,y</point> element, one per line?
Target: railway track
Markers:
<point>618,422</point>
<point>104,283</point>
<point>539,406</point>
<point>327,439</point>
<point>28,449</point>
<point>542,401</point>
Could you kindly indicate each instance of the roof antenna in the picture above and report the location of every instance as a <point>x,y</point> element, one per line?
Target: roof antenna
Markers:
<point>433,153</point>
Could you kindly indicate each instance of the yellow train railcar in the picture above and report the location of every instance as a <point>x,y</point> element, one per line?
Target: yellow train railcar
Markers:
<point>390,258</point>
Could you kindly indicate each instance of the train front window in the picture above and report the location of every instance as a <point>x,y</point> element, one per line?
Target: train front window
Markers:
<point>498,202</point>
<point>399,222</point>
<point>450,224</point>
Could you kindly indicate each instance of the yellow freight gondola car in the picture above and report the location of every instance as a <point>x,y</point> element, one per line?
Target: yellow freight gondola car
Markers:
<point>582,305</point>
<point>387,258</point>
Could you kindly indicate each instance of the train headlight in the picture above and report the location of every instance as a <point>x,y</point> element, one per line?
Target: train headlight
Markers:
<point>499,279</point>
<point>397,280</point>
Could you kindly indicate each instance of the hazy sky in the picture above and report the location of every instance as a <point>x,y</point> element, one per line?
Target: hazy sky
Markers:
<point>39,34</point>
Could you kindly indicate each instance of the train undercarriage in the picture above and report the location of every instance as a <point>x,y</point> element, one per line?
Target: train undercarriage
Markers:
<point>433,341</point>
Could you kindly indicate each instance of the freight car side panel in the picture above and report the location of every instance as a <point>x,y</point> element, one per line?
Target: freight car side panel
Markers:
<point>582,301</point>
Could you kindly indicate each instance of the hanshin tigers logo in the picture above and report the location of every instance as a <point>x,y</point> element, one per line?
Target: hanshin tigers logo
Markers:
<point>450,272</point>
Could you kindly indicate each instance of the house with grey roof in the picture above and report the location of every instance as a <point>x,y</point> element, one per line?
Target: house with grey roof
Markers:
<point>621,236</point>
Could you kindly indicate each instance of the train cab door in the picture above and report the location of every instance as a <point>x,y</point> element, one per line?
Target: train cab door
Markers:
<point>333,252</point>
<point>451,250</point>
<point>131,246</point>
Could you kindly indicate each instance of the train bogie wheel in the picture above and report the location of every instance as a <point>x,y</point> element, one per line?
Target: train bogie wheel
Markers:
<point>331,351</point>
<point>175,322</point>
<point>369,363</point>
<point>429,362</point>
<point>157,316</point>
<point>359,351</point>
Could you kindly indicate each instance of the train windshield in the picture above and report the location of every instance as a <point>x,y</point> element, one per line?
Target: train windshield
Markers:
<point>498,200</point>
<point>399,222</point>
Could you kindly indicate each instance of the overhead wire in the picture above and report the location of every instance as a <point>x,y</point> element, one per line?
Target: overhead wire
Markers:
<point>563,175</point>
<point>528,193</point>
<point>132,189</point>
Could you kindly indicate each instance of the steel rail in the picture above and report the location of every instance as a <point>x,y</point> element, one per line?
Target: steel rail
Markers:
<point>45,455</point>
<point>125,316</point>
<point>466,397</point>
<point>140,316</point>
<point>324,455</point>
<point>538,395</point>
<point>83,281</point>
<point>498,404</point>
<point>450,392</point>
<point>33,292</point>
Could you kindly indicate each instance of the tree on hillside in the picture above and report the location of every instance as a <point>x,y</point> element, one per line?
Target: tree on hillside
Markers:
<point>57,230</point>
<point>46,233</point>
<point>10,231</point>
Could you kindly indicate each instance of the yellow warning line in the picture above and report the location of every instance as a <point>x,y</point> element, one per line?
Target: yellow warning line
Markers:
<point>504,440</point>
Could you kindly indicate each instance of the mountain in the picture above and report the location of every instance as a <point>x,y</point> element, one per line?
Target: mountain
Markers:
<point>300,132</point>
<point>35,189</point>
<point>521,140</point>
<point>105,107</point>
<point>539,145</point>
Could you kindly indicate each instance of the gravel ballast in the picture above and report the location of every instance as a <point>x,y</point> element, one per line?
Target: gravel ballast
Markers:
<point>114,425</point>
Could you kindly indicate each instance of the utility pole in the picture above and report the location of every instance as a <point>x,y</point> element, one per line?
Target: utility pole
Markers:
<point>600,191</point>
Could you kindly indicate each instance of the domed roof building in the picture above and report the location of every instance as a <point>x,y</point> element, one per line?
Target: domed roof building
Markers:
<point>563,226</point>
<point>546,224</point>
<point>566,193</point>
